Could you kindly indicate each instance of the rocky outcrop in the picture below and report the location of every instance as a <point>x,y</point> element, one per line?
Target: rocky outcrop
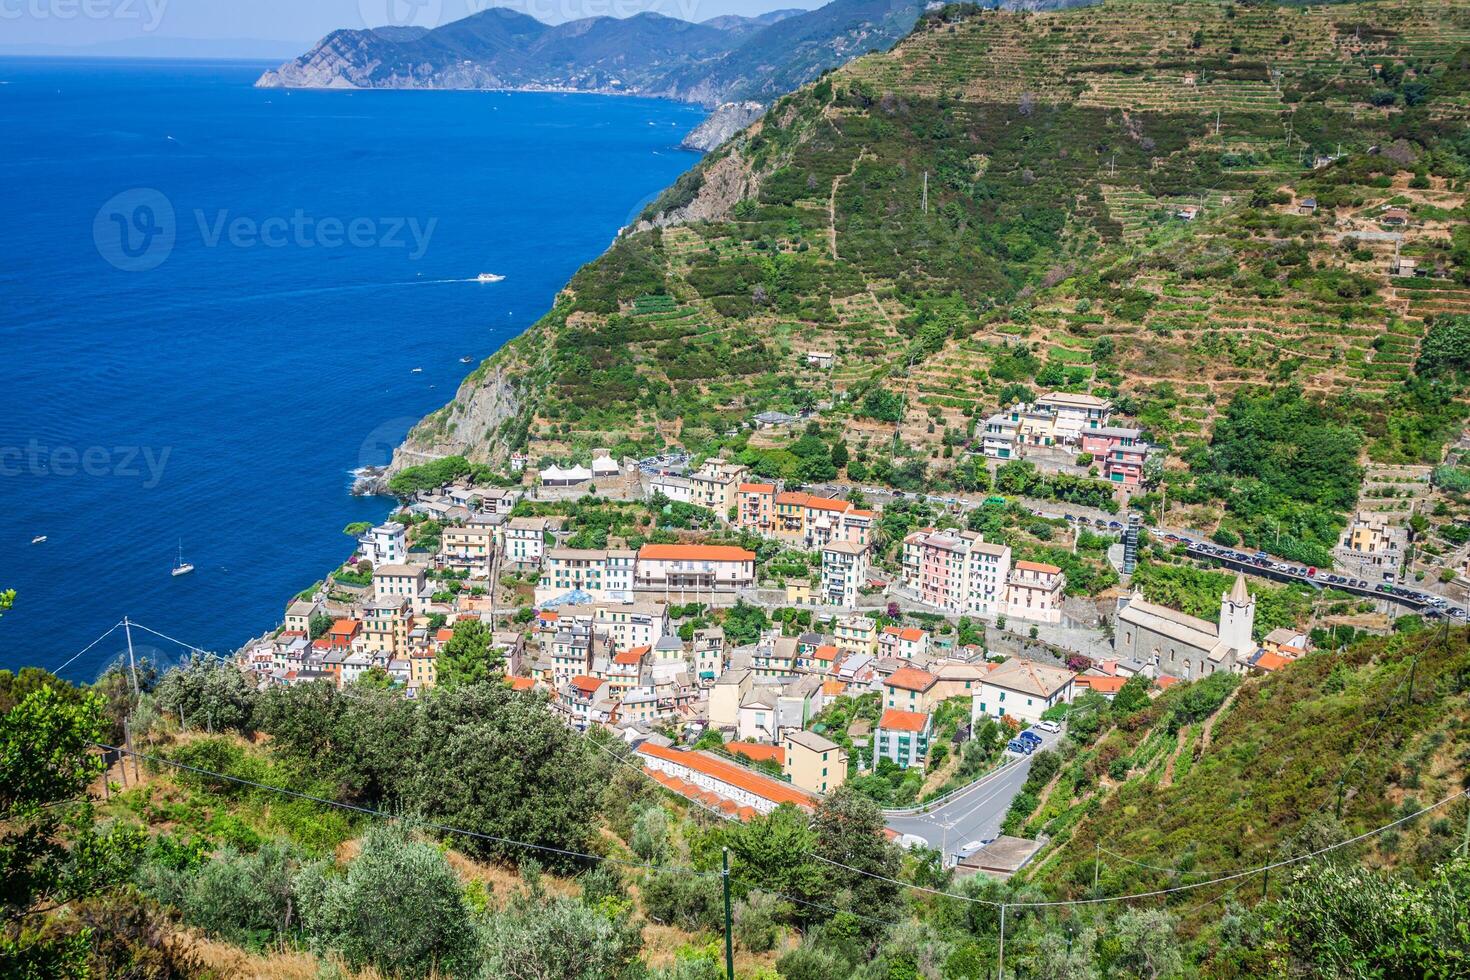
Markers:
<point>725,182</point>
<point>473,424</point>
<point>720,125</point>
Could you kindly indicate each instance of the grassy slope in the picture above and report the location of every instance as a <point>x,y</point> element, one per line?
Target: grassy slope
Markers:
<point>1056,145</point>
<point>1275,756</point>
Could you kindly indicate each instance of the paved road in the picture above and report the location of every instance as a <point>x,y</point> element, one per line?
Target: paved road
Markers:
<point>976,814</point>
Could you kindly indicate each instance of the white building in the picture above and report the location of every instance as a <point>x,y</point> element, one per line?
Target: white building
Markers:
<point>386,544</point>
<point>844,570</point>
<point>694,567</point>
<point>1074,413</point>
<point>525,538</point>
<point>677,488</point>
<point>746,792</point>
<point>1022,689</point>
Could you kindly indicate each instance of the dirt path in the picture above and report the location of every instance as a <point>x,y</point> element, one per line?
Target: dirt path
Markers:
<point>832,203</point>
<point>1204,736</point>
<point>1167,779</point>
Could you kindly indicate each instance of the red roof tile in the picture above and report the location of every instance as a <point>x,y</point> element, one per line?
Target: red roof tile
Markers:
<point>694,552</point>
<point>911,679</point>
<point>731,774</point>
<point>903,721</point>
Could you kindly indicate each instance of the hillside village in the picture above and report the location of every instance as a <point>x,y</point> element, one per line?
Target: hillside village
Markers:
<point>788,649</point>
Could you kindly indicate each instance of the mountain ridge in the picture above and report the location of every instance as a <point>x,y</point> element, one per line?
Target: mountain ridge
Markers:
<point>1084,226</point>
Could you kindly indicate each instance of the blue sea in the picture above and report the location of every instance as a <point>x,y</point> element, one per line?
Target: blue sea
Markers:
<point>213,299</point>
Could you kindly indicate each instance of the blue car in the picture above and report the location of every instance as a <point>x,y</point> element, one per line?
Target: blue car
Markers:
<point>1021,746</point>
<point>1029,736</point>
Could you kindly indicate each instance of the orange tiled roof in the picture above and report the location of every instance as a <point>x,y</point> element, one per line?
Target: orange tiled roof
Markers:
<point>757,488</point>
<point>585,684</point>
<point>630,657</point>
<point>903,721</point>
<point>756,752</point>
<point>520,683</point>
<point>833,689</point>
<point>1102,685</point>
<point>910,633</point>
<point>345,626</point>
<point>731,774</point>
<point>694,552</point>
<point>1165,681</point>
<point>826,651</point>
<point>444,634</point>
<point>1271,661</point>
<point>1038,566</point>
<point>911,679</point>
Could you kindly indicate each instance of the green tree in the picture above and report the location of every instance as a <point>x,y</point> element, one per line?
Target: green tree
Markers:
<point>50,853</point>
<point>1337,920</point>
<point>774,851</point>
<point>399,908</point>
<point>489,758</point>
<point>318,626</point>
<point>357,529</point>
<point>1132,696</point>
<point>849,829</point>
<point>1143,944</point>
<point>536,937</point>
<point>209,694</point>
<point>467,657</point>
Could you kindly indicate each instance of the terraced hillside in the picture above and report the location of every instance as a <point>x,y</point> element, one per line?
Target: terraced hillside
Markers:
<point>1111,199</point>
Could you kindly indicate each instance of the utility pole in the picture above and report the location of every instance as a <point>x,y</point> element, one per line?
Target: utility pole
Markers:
<point>1217,120</point>
<point>926,192</point>
<point>132,664</point>
<point>729,940</point>
<point>1000,968</point>
<point>1096,860</point>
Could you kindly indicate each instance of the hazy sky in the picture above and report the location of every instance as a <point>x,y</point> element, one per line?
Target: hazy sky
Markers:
<point>83,22</point>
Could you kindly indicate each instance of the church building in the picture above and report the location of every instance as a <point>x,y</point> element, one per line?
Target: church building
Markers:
<point>1183,646</point>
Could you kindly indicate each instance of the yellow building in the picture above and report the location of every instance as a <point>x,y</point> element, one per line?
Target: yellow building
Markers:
<point>812,762</point>
<point>857,634</point>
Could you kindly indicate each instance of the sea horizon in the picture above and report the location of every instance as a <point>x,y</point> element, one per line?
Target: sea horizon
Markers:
<point>217,402</point>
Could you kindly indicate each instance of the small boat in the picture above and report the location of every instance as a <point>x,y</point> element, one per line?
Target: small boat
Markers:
<point>39,539</point>
<point>488,277</point>
<point>418,371</point>
<point>182,567</point>
<point>466,360</point>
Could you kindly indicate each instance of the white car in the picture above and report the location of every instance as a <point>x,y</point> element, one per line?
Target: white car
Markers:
<point>1050,727</point>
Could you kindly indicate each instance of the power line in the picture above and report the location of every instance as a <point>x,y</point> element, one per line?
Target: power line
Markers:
<point>369,811</point>
<point>70,660</point>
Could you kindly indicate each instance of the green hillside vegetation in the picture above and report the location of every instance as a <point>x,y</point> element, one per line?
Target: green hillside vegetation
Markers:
<point>1295,761</point>
<point>194,864</point>
<point>991,209</point>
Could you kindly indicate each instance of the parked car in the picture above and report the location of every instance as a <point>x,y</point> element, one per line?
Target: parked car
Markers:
<point>1030,736</point>
<point>1020,746</point>
<point>1050,727</point>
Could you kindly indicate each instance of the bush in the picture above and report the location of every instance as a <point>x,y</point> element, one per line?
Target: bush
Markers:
<point>756,926</point>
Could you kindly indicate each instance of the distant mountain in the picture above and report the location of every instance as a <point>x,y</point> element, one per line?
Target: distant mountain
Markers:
<point>735,22</point>
<point>722,59</point>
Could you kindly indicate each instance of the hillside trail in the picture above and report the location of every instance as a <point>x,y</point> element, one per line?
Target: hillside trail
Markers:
<point>832,203</point>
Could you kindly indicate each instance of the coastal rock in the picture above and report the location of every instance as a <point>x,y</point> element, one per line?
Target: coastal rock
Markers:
<point>723,123</point>
<point>473,424</point>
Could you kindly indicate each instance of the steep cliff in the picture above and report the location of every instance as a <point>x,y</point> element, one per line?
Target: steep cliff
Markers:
<point>723,123</point>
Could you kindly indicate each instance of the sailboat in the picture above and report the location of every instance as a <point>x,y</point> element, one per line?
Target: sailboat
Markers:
<point>182,567</point>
